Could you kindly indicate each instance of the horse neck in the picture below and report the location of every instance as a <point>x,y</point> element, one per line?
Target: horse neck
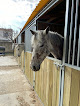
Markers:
<point>55,45</point>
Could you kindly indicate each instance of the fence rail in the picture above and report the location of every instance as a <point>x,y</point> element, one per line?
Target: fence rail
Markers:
<point>47,82</point>
<point>71,96</point>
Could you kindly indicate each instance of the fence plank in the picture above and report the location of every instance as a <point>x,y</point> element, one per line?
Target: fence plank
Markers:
<point>71,87</point>
<point>56,77</point>
<point>50,69</point>
<point>67,85</point>
<point>74,88</point>
<point>79,94</point>
<point>46,81</point>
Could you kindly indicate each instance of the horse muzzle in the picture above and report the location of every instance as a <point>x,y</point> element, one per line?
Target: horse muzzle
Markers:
<point>35,67</point>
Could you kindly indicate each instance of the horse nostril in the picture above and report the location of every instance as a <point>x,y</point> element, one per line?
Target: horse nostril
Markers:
<point>34,67</point>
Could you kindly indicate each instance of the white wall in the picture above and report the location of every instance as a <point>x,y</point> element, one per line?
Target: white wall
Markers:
<point>19,39</point>
<point>28,38</point>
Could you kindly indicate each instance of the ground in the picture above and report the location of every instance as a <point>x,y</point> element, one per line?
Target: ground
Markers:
<point>15,89</point>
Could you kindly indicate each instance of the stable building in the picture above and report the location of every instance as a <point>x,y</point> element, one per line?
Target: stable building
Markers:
<point>58,81</point>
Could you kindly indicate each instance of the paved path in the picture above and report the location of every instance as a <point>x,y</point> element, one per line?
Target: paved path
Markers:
<point>14,87</point>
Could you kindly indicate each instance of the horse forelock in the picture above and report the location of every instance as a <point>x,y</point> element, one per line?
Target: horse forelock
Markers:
<point>36,39</point>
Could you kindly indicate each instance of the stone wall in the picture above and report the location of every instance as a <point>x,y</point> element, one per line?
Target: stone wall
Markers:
<point>7,45</point>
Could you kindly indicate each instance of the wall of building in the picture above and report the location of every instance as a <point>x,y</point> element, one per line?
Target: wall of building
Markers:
<point>19,39</point>
<point>28,38</point>
<point>7,45</point>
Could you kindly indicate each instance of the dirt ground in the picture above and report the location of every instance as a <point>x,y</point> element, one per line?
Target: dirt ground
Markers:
<point>15,89</point>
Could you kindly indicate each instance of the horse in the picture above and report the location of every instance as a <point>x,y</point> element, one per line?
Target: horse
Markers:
<point>44,42</point>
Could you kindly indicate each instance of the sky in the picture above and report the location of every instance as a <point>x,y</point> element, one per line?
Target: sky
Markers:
<point>15,13</point>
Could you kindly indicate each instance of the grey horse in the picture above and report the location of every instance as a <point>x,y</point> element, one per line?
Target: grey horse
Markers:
<point>43,43</point>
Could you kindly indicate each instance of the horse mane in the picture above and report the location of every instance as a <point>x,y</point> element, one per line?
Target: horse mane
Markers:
<point>56,41</point>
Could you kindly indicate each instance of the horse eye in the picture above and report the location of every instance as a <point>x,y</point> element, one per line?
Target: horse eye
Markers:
<point>41,45</point>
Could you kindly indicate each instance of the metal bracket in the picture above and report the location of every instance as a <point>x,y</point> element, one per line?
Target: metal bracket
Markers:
<point>61,87</point>
<point>59,65</point>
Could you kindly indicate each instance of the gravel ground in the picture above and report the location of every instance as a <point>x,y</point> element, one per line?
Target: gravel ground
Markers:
<point>15,89</point>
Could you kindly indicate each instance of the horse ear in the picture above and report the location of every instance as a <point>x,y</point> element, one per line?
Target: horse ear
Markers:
<point>47,30</point>
<point>33,32</point>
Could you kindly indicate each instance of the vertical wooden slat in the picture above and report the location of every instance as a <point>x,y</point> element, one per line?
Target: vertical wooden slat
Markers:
<point>67,86</point>
<point>28,70</point>
<point>42,83</point>
<point>45,81</point>
<point>58,85</point>
<point>79,94</point>
<point>50,67</point>
<point>54,96</point>
<point>74,88</point>
<point>71,87</point>
<point>47,84</point>
<point>26,65</point>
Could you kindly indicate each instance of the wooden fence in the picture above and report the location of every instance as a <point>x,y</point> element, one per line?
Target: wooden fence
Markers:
<point>47,82</point>
<point>20,59</point>
<point>71,95</point>
<point>29,73</point>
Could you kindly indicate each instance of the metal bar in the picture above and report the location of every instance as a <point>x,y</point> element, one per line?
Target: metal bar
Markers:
<point>78,56</point>
<point>65,30</point>
<point>64,51</point>
<point>32,24</point>
<point>62,87</point>
<point>47,7</point>
<point>75,30</point>
<point>71,25</point>
<point>74,67</point>
<point>61,81</point>
<point>37,26</point>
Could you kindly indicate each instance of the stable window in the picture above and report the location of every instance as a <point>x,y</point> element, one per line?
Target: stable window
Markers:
<point>72,33</point>
<point>63,18</point>
<point>54,18</point>
<point>23,37</point>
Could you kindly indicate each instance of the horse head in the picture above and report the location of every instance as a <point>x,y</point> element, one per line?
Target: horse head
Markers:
<point>39,48</point>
